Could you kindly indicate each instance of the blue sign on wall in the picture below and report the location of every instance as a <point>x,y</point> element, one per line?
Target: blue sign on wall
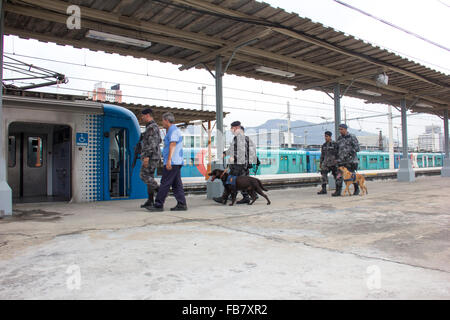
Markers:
<point>81,139</point>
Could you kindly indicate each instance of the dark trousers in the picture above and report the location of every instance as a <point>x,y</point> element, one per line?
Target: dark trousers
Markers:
<point>324,172</point>
<point>170,178</point>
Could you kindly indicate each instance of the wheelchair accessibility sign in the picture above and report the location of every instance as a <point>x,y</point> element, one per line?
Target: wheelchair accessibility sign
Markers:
<point>81,139</point>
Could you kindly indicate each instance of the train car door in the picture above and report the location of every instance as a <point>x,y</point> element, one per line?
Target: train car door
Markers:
<point>27,166</point>
<point>308,163</point>
<point>39,162</point>
<point>364,162</point>
<point>61,162</point>
<point>35,165</point>
<point>14,163</point>
<point>283,164</point>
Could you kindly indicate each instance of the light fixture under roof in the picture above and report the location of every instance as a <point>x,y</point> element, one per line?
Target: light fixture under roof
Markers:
<point>103,36</point>
<point>423,105</point>
<point>369,93</point>
<point>276,72</point>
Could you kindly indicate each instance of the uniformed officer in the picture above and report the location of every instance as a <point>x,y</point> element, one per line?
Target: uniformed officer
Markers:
<point>328,160</point>
<point>242,152</point>
<point>348,146</point>
<point>150,155</point>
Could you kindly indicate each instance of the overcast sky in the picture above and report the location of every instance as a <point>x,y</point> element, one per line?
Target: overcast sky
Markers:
<point>251,101</point>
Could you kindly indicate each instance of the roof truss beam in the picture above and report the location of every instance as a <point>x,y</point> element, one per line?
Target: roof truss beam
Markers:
<point>321,43</point>
<point>230,47</point>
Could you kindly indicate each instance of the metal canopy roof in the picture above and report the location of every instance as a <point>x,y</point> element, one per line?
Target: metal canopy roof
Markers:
<point>193,32</point>
<point>78,102</point>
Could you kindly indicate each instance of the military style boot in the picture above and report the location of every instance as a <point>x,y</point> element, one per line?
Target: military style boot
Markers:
<point>245,199</point>
<point>324,189</point>
<point>150,201</point>
<point>151,198</point>
<point>356,192</point>
<point>338,191</point>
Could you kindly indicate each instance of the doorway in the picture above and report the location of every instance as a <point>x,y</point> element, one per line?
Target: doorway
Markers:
<point>39,162</point>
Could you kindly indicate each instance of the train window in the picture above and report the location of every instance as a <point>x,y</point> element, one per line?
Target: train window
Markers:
<point>119,163</point>
<point>11,151</point>
<point>294,161</point>
<point>34,155</point>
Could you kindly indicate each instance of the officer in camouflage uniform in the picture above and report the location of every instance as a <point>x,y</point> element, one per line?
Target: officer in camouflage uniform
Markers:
<point>150,155</point>
<point>242,152</point>
<point>328,160</point>
<point>348,146</point>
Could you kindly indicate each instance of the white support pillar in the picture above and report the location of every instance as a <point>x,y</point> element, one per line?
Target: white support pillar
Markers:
<point>445,172</point>
<point>405,172</point>
<point>5,190</point>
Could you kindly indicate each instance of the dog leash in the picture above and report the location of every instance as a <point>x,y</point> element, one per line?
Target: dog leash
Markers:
<point>223,173</point>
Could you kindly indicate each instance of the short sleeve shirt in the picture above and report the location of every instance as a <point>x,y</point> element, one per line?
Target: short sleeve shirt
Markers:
<point>173,135</point>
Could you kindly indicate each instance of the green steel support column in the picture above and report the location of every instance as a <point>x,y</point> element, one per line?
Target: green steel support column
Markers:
<point>337,109</point>
<point>219,108</point>
<point>215,188</point>
<point>405,172</point>
<point>445,172</point>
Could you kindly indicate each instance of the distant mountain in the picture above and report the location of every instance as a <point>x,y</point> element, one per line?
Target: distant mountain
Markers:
<point>314,134</point>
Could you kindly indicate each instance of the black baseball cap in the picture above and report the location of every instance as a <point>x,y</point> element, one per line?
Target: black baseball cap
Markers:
<point>147,111</point>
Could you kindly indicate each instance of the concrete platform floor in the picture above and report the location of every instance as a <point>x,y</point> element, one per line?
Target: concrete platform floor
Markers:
<point>392,244</point>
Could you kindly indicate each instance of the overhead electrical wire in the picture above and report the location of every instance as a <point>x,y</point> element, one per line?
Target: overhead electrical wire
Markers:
<point>195,93</point>
<point>180,80</point>
<point>393,25</point>
<point>184,102</point>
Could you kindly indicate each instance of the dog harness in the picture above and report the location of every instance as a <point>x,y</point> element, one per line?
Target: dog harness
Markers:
<point>231,180</point>
<point>353,177</point>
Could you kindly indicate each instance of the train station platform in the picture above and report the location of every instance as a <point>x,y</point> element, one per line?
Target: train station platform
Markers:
<point>393,243</point>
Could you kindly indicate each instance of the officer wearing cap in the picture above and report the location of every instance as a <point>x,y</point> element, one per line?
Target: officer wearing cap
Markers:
<point>150,154</point>
<point>242,153</point>
<point>328,160</point>
<point>348,146</point>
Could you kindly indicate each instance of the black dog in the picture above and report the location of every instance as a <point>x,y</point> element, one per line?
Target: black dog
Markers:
<point>250,184</point>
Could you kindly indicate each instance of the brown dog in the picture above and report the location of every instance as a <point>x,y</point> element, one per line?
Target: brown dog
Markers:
<point>359,179</point>
<point>249,184</point>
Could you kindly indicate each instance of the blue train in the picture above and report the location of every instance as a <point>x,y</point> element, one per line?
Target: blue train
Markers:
<point>284,161</point>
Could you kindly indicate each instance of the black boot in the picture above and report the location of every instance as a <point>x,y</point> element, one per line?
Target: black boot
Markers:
<point>356,192</point>
<point>338,191</point>
<point>324,189</point>
<point>150,201</point>
<point>151,197</point>
<point>245,199</point>
<point>221,199</point>
<point>179,207</point>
